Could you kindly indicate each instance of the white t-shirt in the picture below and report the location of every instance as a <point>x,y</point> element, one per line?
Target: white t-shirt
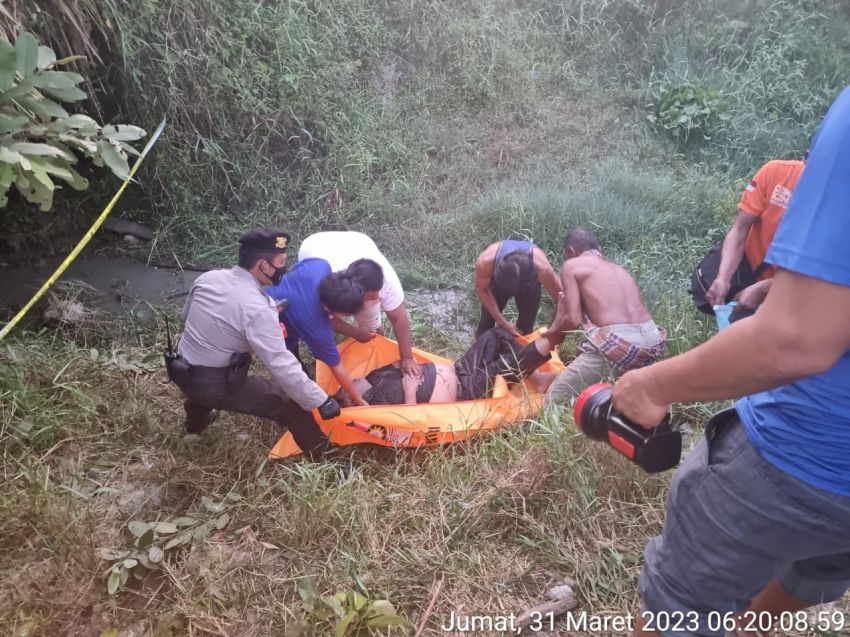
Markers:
<point>341,249</point>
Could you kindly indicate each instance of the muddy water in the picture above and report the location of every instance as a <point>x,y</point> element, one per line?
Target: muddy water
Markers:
<point>116,284</point>
<point>449,310</point>
<point>120,285</point>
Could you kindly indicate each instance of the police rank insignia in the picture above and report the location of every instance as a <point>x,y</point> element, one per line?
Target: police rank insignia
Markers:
<point>280,242</point>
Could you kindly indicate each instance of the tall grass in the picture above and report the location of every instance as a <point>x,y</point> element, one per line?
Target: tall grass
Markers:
<point>498,519</point>
<point>437,127</point>
<point>330,114</point>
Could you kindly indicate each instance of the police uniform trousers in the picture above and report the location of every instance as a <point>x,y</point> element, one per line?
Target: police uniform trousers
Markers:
<point>208,388</point>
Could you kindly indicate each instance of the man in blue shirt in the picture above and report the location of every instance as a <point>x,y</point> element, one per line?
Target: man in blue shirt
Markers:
<point>758,515</point>
<point>314,296</point>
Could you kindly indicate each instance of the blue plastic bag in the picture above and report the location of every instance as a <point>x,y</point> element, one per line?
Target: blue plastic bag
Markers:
<point>722,314</point>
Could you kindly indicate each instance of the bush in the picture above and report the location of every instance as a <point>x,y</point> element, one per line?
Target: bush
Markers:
<point>687,111</point>
<point>37,135</point>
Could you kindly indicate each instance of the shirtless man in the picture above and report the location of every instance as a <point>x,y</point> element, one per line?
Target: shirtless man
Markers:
<point>603,299</point>
<point>471,377</point>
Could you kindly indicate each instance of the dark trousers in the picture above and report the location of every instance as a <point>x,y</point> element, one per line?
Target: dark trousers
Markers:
<point>527,304</point>
<point>208,389</point>
<point>494,353</point>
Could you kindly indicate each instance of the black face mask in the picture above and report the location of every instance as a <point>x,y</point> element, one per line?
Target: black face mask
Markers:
<point>278,274</point>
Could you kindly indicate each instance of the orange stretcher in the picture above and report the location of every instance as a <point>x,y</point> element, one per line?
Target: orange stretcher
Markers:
<point>422,425</point>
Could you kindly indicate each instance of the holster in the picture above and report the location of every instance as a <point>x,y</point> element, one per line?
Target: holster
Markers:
<point>179,371</point>
<point>237,371</point>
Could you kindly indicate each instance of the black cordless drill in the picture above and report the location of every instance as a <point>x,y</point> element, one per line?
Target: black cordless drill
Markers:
<point>653,450</point>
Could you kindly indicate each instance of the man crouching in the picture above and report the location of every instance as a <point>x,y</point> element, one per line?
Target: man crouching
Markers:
<point>603,299</point>
<point>228,316</point>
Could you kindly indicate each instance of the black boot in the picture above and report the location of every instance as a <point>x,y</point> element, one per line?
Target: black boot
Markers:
<point>198,417</point>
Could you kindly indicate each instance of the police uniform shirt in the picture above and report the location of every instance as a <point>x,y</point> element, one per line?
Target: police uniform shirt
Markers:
<point>228,312</point>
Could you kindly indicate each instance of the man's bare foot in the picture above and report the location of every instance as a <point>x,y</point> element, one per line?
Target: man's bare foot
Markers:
<point>541,380</point>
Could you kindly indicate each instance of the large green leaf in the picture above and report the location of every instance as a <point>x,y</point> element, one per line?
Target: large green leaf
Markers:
<point>308,591</point>
<point>66,94</point>
<point>7,65</point>
<point>38,170</point>
<point>26,54</point>
<point>16,92</point>
<point>56,80</point>
<point>382,607</point>
<point>128,149</point>
<point>114,581</point>
<point>138,528</point>
<point>41,176</point>
<point>9,156</point>
<point>357,600</point>
<point>41,150</point>
<point>116,162</point>
<point>57,168</point>
<point>387,620</point>
<point>70,157</point>
<point>335,604</point>
<point>34,191</point>
<point>83,124</point>
<point>42,107</point>
<point>12,122</point>
<point>177,540</point>
<point>112,553</point>
<point>86,145</point>
<point>123,133</point>
<point>77,181</point>
<point>185,521</point>
<point>343,624</point>
<point>165,528</point>
<point>46,57</point>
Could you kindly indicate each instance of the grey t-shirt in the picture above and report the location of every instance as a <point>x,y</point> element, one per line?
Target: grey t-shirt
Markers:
<point>387,387</point>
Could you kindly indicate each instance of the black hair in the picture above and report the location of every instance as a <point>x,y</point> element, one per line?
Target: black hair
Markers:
<point>339,292</point>
<point>367,273</point>
<point>514,271</point>
<point>344,398</point>
<point>249,257</point>
<point>581,240</point>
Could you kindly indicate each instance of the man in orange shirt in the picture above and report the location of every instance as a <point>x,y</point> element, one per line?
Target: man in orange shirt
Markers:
<point>742,273</point>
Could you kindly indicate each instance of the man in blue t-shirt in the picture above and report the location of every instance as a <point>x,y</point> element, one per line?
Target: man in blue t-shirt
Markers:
<point>314,295</point>
<point>758,515</point>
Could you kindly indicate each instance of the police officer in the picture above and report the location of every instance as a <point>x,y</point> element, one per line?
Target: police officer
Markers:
<point>228,316</point>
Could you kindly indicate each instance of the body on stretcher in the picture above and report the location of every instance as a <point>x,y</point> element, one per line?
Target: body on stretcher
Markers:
<point>423,425</point>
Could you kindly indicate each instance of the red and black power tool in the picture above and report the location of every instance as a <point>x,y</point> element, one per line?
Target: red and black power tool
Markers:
<point>653,450</point>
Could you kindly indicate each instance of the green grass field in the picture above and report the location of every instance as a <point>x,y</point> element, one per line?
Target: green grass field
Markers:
<point>436,127</point>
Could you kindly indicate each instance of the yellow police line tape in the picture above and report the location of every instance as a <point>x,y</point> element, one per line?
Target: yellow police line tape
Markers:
<point>87,237</point>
